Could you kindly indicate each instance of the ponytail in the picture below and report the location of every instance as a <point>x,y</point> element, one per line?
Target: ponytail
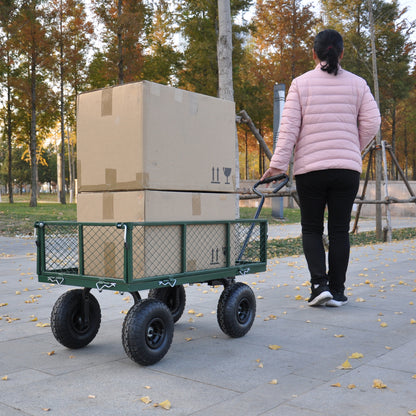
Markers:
<point>328,46</point>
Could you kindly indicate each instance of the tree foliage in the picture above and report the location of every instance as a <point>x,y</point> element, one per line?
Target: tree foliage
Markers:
<point>53,50</point>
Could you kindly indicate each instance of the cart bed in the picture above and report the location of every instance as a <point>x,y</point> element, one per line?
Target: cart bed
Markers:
<point>130,257</point>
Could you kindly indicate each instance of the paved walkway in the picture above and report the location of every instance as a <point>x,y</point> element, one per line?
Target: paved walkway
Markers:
<point>358,360</point>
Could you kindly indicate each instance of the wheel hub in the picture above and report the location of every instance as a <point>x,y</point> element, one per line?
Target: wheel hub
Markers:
<point>155,333</point>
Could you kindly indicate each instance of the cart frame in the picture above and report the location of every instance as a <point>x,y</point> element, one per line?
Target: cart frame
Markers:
<point>77,277</point>
<point>237,247</point>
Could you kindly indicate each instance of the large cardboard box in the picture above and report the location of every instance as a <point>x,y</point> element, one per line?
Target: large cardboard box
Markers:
<point>146,136</point>
<point>156,249</point>
<point>138,206</point>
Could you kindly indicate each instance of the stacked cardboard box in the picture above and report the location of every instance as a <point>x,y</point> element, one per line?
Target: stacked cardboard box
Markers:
<point>148,152</point>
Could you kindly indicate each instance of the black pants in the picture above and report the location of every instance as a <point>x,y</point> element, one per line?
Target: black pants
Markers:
<point>336,189</point>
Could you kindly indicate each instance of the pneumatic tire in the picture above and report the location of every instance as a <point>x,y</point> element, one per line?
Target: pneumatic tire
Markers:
<point>69,324</point>
<point>147,331</point>
<point>173,297</point>
<point>236,310</point>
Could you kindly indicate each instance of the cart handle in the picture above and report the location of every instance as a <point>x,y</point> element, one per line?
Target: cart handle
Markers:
<point>283,180</point>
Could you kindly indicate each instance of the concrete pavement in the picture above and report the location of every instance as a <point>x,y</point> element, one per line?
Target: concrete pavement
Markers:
<point>296,360</point>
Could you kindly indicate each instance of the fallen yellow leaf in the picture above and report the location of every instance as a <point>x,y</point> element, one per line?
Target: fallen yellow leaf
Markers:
<point>274,381</point>
<point>191,312</point>
<point>339,336</point>
<point>274,347</point>
<point>165,405</point>
<point>146,400</point>
<point>199,315</point>
<point>356,355</point>
<point>413,321</point>
<point>336,385</point>
<point>188,339</point>
<point>5,378</point>
<point>345,365</point>
<point>351,386</point>
<point>91,396</point>
<point>412,412</point>
<point>378,384</point>
<point>360,300</point>
<point>383,324</point>
<point>414,376</point>
<point>51,353</point>
<point>298,297</point>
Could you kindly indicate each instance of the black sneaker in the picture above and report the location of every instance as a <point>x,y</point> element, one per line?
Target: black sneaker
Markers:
<point>338,299</point>
<point>320,295</point>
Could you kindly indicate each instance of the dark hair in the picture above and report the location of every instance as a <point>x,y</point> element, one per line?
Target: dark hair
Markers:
<point>328,46</point>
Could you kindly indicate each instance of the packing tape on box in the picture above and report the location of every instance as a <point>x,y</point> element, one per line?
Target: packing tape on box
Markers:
<point>110,182</point>
<point>79,174</point>
<point>107,102</point>
<point>108,206</point>
<point>110,177</point>
<point>110,259</point>
<point>196,204</point>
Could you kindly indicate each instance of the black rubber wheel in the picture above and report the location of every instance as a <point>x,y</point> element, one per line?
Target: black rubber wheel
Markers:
<point>236,310</point>
<point>173,297</point>
<point>68,321</point>
<point>147,331</point>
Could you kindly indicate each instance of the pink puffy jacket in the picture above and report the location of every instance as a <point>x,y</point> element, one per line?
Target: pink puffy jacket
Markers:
<point>330,119</point>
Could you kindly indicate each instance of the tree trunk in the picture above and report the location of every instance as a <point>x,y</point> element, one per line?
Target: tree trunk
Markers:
<point>71,169</point>
<point>9,133</point>
<point>379,173</point>
<point>225,72</point>
<point>393,140</point>
<point>224,52</point>
<point>62,199</point>
<point>33,144</point>
<point>120,44</point>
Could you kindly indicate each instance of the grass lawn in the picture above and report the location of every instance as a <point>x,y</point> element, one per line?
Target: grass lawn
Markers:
<point>18,219</point>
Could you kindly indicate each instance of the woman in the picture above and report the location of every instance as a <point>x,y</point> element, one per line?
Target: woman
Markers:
<point>330,116</point>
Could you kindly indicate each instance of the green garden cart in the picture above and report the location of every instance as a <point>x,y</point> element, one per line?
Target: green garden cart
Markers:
<point>154,256</point>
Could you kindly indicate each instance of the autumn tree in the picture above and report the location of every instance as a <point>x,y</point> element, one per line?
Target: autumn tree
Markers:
<point>280,49</point>
<point>7,15</point>
<point>394,51</point>
<point>125,24</point>
<point>198,24</point>
<point>162,61</point>
<point>71,32</point>
<point>36,101</point>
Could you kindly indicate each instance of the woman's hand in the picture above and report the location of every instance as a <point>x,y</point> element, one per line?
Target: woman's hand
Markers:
<point>271,172</point>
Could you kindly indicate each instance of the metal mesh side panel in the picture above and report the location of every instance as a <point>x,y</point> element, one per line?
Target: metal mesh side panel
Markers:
<point>248,243</point>
<point>61,248</point>
<point>103,250</point>
<point>206,246</point>
<point>156,250</point>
